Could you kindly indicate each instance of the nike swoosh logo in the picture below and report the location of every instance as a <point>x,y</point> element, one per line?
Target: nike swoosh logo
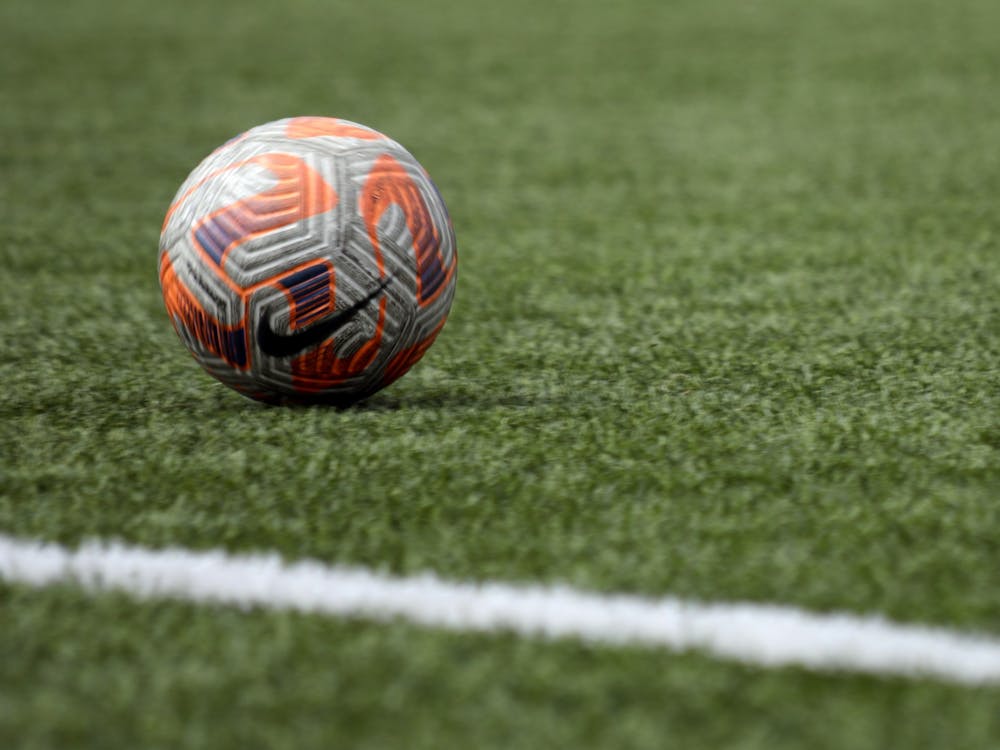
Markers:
<point>286,345</point>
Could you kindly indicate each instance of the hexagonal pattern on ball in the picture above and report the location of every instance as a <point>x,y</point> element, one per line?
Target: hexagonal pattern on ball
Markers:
<point>308,260</point>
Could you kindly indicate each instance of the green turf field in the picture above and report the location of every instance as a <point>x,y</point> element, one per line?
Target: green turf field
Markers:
<point>727,327</point>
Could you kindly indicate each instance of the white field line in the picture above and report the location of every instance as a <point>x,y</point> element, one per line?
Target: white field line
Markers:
<point>757,634</point>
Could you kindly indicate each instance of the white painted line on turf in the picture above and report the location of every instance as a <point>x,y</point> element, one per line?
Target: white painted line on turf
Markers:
<point>756,634</point>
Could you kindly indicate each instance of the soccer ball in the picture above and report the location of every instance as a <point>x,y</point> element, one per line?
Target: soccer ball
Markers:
<point>308,260</point>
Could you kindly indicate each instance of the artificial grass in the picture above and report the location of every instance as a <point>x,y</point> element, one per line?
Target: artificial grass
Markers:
<point>107,672</point>
<point>726,326</point>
